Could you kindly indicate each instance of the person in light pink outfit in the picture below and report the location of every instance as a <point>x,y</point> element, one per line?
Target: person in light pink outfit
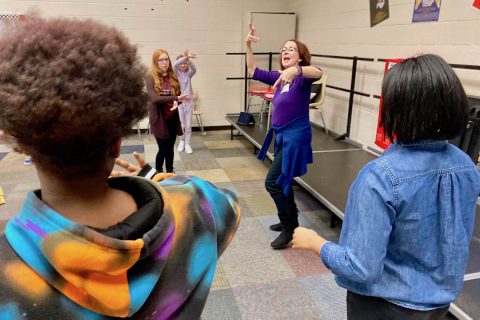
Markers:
<point>185,69</point>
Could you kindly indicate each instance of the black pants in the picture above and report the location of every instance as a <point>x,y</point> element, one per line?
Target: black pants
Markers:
<point>287,209</point>
<point>166,148</point>
<point>361,307</point>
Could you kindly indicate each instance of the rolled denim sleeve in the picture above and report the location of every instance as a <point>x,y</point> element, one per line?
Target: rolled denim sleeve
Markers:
<point>369,216</point>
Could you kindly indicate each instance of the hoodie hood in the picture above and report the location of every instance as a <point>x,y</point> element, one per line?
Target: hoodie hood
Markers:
<point>85,265</point>
<point>172,261</point>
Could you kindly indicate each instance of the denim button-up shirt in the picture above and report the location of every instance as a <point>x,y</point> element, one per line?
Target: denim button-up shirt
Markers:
<point>408,224</point>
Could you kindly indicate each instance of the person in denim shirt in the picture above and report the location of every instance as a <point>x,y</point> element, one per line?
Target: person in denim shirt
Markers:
<point>409,218</point>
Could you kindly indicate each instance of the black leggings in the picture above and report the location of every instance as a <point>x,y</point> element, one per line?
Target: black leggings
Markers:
<point>166,148</point>
<point>286,207</point>
<point>361,307</point>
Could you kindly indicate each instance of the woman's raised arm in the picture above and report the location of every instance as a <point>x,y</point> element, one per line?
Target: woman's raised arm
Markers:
<point>248,41</point>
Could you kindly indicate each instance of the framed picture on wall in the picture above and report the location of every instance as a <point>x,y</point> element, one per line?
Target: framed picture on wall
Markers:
<point>426,10</point>
<point>379,11</point>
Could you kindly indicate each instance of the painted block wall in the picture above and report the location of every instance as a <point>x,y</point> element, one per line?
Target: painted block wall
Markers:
<point>213,27</point>
<point>335,27</point>
<point>210,28</point>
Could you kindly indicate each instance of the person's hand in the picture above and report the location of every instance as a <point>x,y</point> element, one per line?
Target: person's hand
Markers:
<point>183,97</point>
<point>286,76</point>
<point>3,136</point>
<point>251,35</point>
<point>175,106</point>
<point>189,55</point>
<point>304,238</point>
<point>7,138</point>
<point>132,170</point>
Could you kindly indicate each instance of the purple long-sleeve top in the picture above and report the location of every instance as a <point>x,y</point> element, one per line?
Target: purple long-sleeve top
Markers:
<point>291,102</point>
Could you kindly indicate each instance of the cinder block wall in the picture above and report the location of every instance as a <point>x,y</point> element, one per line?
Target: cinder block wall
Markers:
<point>213,27</point>
<point>343,28</point>
<point>210,28</point>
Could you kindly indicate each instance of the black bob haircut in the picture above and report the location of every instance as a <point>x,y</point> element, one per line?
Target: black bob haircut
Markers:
<point>423,99</point>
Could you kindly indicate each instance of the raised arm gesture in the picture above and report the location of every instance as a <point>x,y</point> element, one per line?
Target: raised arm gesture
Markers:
<point>189,54</point>
<point>248,41</point>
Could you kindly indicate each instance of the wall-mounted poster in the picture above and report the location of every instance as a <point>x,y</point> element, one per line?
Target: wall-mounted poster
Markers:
<point>476,4</point>
<point>426,10</point>
<point>381,139</point>
<point>379,11</point>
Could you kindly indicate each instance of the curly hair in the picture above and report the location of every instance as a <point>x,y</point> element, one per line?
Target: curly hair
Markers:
<point>68,89</point>
<point>157,74</point>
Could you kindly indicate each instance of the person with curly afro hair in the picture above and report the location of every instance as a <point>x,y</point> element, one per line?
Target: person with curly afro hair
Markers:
<point>87,245</point>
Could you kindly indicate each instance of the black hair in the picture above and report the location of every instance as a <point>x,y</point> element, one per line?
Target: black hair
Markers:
<point>423,99</point>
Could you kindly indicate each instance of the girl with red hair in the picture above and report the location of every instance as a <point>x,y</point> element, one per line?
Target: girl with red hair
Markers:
<point>163,90</point>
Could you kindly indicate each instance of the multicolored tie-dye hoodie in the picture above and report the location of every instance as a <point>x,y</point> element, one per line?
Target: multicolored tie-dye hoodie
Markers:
<point>53,268</point>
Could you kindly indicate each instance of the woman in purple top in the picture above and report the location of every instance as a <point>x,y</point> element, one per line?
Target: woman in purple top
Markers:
<point>291,125</point>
